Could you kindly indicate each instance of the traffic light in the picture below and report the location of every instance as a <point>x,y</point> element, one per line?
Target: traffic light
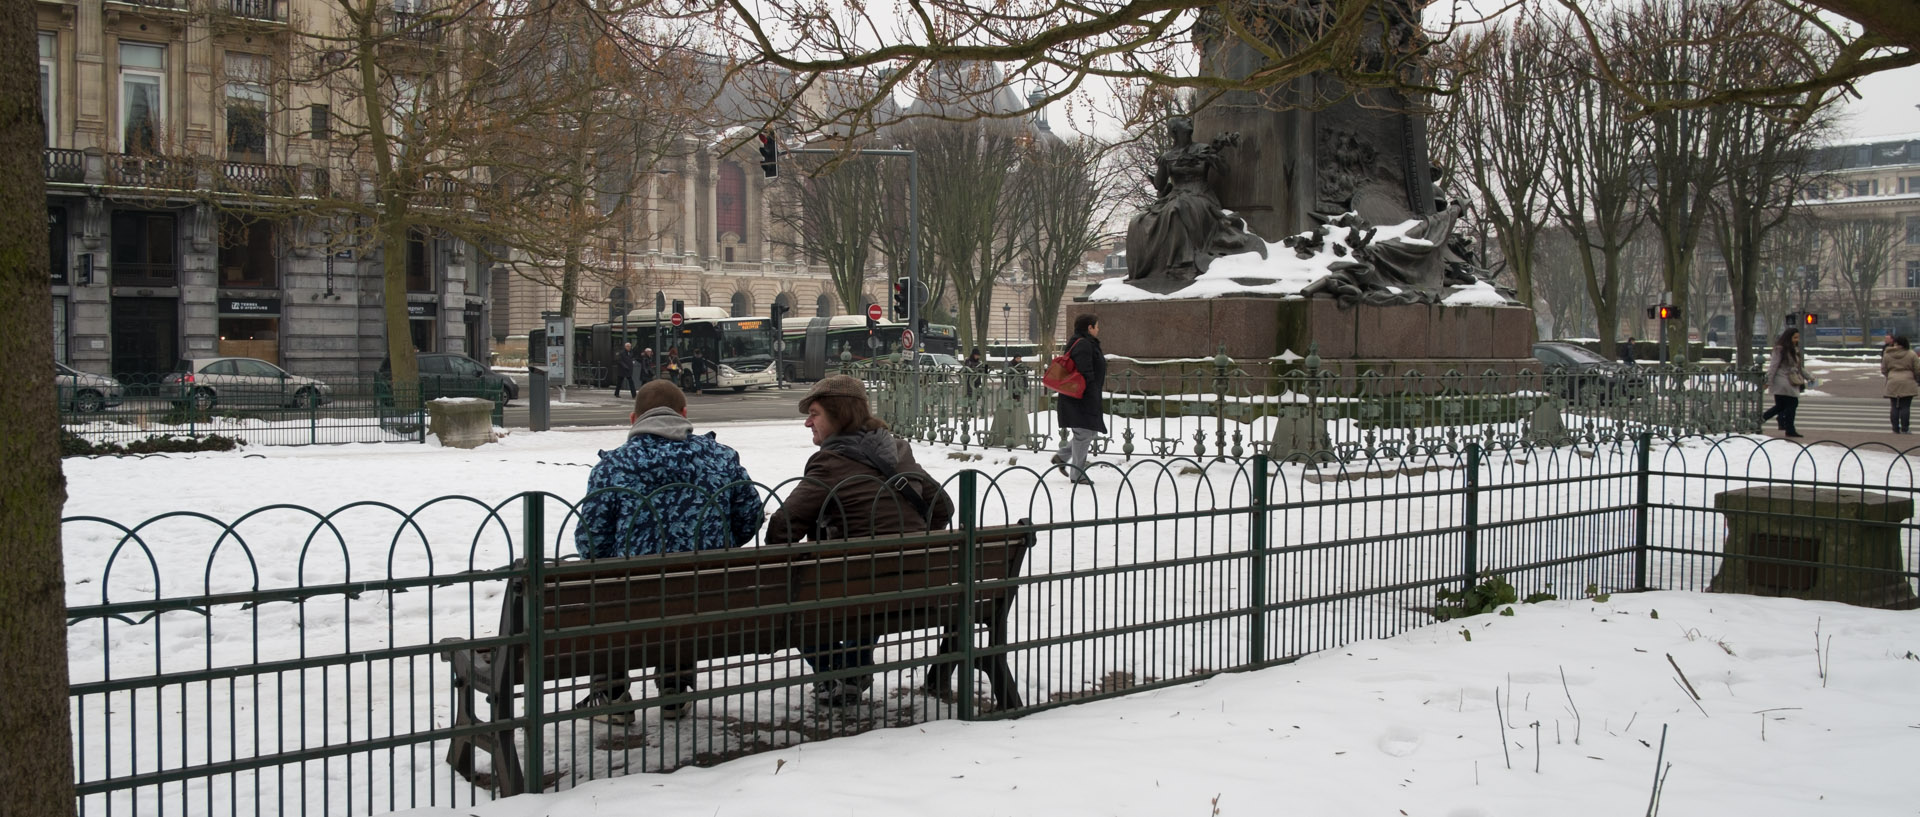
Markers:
<point>679,307</point>
<point>1810,319</point>
<point>617,302</point>
<point>659,301</point>
<point>769,154</point>
<point>921,327</point>
<point>1653,312</point>
<point>779,309</point>
<point>872,323</point>
<point>900,300</point>
<point>1669,312</point>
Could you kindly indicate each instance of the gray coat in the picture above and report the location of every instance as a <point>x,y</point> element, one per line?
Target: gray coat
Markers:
<point>1778,382</point>
<point>1088,410</point>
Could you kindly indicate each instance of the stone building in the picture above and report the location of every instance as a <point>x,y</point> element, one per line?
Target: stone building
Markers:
<point>1875,178</point>
<point>176,152</point>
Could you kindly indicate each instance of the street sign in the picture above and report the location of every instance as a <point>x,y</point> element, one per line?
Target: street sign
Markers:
<point>676,319</point>
<point>906,339</point>
<point>874,311</point>
<point>779,345</point>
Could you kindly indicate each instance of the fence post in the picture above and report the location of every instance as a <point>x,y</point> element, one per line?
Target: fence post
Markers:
<point>533,533</point>
<point>1472,561</point>
<point>1643,462</point>
<point>1257,627</point>
<point>968,479</point>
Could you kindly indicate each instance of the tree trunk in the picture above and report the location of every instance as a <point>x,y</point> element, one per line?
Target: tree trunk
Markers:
<point>36,765</point>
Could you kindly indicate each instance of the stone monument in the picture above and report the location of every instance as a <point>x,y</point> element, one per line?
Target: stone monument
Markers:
<point>1319,168</point>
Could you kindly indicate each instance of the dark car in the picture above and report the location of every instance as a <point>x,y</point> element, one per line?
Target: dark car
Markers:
<point>1578,373</point>
<point>449,375</point>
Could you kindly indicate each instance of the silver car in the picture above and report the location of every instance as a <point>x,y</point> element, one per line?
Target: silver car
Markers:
<point>243,381</point>
<point>85,392</point>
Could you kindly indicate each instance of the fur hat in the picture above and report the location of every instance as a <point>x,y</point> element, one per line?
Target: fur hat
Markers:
<point>839,385</point>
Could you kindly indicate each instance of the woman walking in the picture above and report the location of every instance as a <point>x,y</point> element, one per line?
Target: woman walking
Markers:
<point>1786,378</point>
<point>1902,369</point>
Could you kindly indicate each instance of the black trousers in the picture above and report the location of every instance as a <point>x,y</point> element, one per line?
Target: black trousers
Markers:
<point>625,375</point>
<point>1900,413</point>
<point>1784,407</point>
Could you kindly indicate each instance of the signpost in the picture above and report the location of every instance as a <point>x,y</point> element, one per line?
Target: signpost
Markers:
<point>676,319</point>
<point>874,311</point>
<point>906,340</point>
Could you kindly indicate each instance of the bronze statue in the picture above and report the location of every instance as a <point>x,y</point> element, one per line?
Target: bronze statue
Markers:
<point>1177,237</point>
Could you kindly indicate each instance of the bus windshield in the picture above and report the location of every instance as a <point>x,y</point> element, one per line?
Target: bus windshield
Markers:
<point>746,342</point>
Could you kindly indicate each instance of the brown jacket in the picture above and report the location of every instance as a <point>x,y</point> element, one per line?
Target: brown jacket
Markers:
<point>846,492</point>
<point>1902,368</point>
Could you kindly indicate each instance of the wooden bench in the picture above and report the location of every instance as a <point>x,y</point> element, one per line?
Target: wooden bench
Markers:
<point>660,612</point>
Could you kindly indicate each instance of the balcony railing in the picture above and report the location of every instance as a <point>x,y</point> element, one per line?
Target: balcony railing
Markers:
<point>66,165</point>
<point>150,171</point>
<point>256,9</point>
<point>420,28</point>
<point>254,177</point>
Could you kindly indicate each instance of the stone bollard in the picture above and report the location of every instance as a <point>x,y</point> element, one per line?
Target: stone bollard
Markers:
<point>1011,427</point>
<point>1821,544</point>
<point>461,422</point>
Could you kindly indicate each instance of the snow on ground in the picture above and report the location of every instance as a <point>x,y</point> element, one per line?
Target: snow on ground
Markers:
<point>1590,707</point>
<point>1370,716</point>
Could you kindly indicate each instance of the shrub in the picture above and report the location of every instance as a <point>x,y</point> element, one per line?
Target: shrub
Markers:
<point>1492,593</point>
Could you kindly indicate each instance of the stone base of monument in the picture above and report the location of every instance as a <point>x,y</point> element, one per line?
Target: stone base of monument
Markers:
<point>461,422</point>
<point>1011,426</point>
<point>1814,543</point>
<point>1270,335</point>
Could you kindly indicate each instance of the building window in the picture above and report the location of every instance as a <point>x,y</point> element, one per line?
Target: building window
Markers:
<point>1913,274</point>
<point>730,205</point>
<point>742,305</point>
<point>48,88</point>
<point>823,306</point>
<point>246,107</point>
<point>1866,187</point>
<point>419,262</point>
<point>322,125</point>
<point>1913,229</point>
<point>60,330</point>
<point>143,96</point>
<point>57,245</point>
<point>144,251</point>
<point>246,254</point>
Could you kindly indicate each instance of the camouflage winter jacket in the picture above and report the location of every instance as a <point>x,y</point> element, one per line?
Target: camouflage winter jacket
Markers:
<point>666,490</point>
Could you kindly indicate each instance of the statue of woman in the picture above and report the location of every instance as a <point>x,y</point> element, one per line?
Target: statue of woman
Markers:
<point>1177,237</point>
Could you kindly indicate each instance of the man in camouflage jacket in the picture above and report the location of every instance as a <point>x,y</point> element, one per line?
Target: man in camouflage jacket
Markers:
<point>667,490</point>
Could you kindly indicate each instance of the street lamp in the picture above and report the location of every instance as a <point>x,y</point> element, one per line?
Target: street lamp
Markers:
<point>1006,331</point>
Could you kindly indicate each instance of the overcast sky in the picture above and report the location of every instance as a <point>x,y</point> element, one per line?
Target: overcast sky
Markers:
<point>1886,106</point>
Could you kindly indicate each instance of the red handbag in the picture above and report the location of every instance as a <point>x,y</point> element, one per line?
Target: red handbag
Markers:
<point>1062,376</point>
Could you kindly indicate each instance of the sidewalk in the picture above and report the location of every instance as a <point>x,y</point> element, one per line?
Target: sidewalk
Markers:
<point>1908,444</point>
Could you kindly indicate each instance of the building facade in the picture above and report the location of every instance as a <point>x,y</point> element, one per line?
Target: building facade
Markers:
<point>1877,179</point>
<point>176,159</point>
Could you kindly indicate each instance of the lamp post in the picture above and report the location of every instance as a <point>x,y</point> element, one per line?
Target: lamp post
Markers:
<point>1006,324</point>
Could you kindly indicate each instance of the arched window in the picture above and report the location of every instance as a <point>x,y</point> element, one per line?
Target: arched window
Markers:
<point>824,306</point>
<point>730,205</point>
<point>742,305</point>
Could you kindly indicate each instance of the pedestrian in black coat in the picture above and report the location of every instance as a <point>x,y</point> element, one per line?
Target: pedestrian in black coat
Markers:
<point>1086,415</point>
<point>623,370</point>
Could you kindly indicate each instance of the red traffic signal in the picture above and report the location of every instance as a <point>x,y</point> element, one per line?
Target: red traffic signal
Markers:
<point>1668,312</point>
<point>769,154</point>
<point>1810,319</point>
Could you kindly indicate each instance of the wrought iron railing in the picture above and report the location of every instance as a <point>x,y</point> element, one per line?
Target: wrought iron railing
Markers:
<point>259,178</point>
<point>160,172</point>
<point>1218,409</point>
<point>286,660</point>
<point>65,165</point>
<point>256,9</point>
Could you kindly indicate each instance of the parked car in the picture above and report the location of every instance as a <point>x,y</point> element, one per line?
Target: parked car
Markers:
<point>85,392</point>
<point>242,381</point>
<point>935,360</point>
<point>1577,373</point>
<point>449,375</point>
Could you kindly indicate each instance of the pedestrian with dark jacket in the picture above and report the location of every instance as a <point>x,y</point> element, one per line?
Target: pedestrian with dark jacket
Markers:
<point>862,482</point>
<point>623,370</point>
<point>1786,378</point>
<point>666,490</point>
<point>1901,367</point>
<point>1085,416</point>
<point>647,363</point>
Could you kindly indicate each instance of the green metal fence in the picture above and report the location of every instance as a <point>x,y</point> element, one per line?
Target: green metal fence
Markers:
<point>1227,408</point>
<point>340,410</point>
<point>287,661</point>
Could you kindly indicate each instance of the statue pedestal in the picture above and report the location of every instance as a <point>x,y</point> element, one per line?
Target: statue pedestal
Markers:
<point>1268,335</point>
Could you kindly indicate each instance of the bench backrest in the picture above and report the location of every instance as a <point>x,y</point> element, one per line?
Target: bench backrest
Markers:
<point>611,615</point>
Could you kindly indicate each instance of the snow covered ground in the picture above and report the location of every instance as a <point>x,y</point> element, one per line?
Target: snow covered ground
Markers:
<point>387,511</point>
<point>1565,706</point>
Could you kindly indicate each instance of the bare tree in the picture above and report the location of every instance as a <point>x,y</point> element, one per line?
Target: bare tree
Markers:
<point>833,213</point>
<point>1860,251</point>
<point>965,211</point>
<point>36,767</point>
<point>1594,149</point>
<point>1491,132</point>
<point>1789,270</point>
<point>1063,205</point>
<point>1559,284</point>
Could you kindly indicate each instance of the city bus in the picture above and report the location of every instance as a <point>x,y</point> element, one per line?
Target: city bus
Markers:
<point>713,351</point>
<point>813,347</point>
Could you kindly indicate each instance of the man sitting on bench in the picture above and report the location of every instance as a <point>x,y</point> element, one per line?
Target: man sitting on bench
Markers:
<point>666,490</point>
